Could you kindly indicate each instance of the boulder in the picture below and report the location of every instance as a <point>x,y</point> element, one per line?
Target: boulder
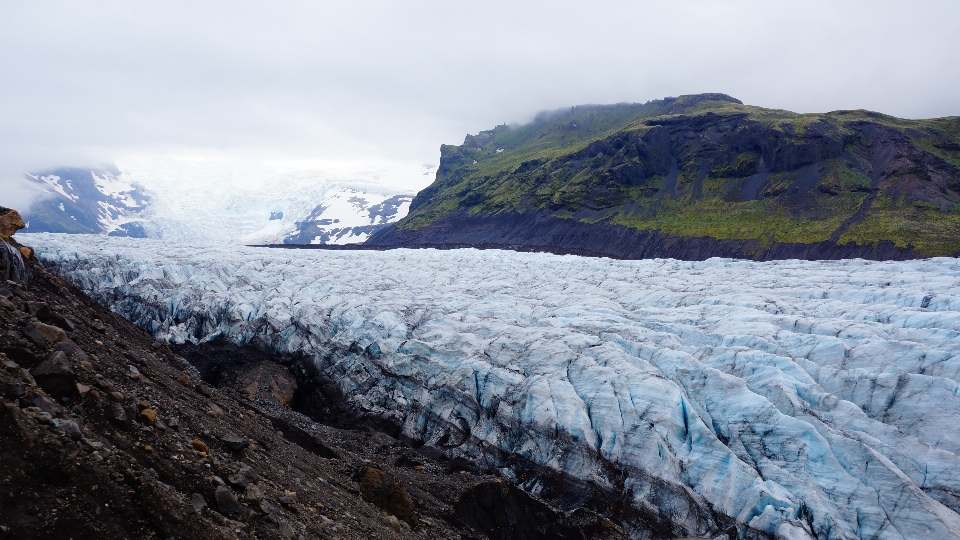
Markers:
<point>378,489</point>
<point>55,376</point>
<point>235,443</point>
<point>243,477</point>
<point>226,500</point>
<point>264,380</point>
<point>44,334</point>
<point>10,222</point>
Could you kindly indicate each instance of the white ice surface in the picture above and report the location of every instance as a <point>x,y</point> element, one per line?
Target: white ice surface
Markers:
<point>782,393</point>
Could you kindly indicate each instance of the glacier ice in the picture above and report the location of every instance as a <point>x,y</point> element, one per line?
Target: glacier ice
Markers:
<point>805,399</point>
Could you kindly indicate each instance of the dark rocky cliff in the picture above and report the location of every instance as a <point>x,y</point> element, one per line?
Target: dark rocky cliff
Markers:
<point>534,231</point>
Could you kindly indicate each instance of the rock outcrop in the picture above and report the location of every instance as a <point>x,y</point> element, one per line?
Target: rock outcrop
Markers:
<point>10,222</point>
<point>12,254</point>
<point>695,177</point>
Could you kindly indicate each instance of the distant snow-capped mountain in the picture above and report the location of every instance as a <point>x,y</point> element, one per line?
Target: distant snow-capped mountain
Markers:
<point>87,201</point>
<point>217,203</point>
<point>349,216</point>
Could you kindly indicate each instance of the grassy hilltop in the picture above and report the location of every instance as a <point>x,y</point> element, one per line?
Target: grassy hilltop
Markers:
<point>707,166</point>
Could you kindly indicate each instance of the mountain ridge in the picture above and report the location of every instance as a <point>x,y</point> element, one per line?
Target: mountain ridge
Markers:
<point>701,166</point>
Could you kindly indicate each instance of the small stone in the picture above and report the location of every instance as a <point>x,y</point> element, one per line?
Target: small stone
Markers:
<point>133,370</point>
<point>72,350</point>
<point>14,390</point>
<point>286,530</point>
<point>46,404</point>
<point>71,429</point>
<point>244,476</point>
<point>150,415</point>
<point>217,480</point>
<point>118,397</point>
<point>98,343</point>
<point>118,414</point>
<point>197,504</point>
<point>204,390</point>
<point>185,381</point>
<point>253,492</point>
<point>199,445</point>
<point>134,357</point>
<point>86,365</point>
<point>83,389</point>
<point>147,448</point>
<point>266,507</point>
<point>286,501</point>
<point>226,500</point>
<point>235,443</point>
<point>215,411</point>
<point>174,424</point>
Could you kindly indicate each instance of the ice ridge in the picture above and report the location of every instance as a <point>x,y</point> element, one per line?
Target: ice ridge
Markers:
<point>801,399</point>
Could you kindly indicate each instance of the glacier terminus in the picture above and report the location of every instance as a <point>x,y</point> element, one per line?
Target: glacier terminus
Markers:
<point>793,399</point>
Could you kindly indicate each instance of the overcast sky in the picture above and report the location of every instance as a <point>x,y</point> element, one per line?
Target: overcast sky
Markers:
<point>93,82</point>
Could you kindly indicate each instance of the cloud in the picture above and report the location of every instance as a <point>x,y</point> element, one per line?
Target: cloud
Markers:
<point>95,81</point>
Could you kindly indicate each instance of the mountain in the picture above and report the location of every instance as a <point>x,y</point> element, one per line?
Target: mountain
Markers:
<point>208,205</point>
<point>347,217</point>
<point>87,201</point>
<point>699,176</point>
<point>718,399</point>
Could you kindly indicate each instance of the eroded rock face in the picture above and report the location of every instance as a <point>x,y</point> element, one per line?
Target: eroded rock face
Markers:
<point>12,266</point>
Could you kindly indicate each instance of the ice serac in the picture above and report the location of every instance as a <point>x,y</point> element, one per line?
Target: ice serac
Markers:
<point>793,399</point>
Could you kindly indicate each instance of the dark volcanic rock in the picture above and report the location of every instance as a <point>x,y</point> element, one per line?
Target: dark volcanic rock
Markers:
<point>501,511</point>
<point>535,231</point>
<point>226,500</point>
<point>56,376</point>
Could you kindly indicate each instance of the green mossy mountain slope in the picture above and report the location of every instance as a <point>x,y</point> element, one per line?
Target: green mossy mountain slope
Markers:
<point>705,166</point>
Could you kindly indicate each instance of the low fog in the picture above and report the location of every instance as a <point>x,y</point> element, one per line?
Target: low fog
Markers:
<point>301,82</point>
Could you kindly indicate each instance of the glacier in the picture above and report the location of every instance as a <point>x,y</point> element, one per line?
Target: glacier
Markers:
<point>800,399</point>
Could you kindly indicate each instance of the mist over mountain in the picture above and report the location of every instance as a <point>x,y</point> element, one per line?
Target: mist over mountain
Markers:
<point>220,203</point>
